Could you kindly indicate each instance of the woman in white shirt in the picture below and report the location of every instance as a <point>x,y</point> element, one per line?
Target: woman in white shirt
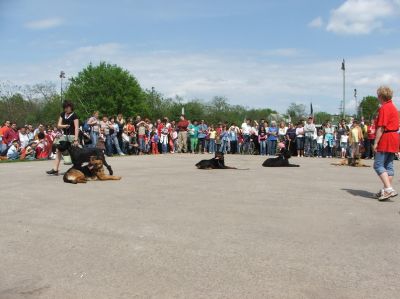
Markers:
<point>300,139</point>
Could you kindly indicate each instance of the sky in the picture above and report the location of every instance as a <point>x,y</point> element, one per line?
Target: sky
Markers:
<point>257,53</point>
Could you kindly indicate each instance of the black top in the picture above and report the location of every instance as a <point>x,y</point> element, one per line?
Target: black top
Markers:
<point>68,120</point>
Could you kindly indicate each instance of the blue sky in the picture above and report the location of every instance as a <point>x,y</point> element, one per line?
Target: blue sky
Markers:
<point>256,53</point>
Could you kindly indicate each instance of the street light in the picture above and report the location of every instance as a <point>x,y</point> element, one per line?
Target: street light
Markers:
<point>355,98</point>
<point>344,88</point>
<point>62,76</point>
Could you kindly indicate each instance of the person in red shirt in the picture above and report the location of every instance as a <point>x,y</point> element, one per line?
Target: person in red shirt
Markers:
<point>3,144</point>
<point>386,142</point>
<point>370,140</point>
<point>11,134</point>
<point>182,134</point>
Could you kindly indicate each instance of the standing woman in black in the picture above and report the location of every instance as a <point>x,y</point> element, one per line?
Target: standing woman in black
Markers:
<point>68,122</point>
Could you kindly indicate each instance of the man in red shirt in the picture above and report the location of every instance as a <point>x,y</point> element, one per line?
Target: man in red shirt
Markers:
<point>3,144</point>
<point>182,134</point>
<point>386,142</point>
<point>11,135</point>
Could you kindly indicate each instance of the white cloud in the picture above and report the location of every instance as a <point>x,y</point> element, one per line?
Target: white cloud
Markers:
<point>316,23</point>
<point>361,16</point>
<point>44,23</point>
<point>255,79</point>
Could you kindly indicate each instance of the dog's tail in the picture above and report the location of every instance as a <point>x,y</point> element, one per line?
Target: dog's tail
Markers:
<point>67,180</point>
<point>293,165</point>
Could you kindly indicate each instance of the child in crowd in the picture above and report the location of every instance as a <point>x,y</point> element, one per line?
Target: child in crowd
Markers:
<point>154,142</point>
<point>164,139</point>
<point>14,151</point>
<point>224,140</point>
<point>262,139</point>
<point>320,143</point>
<point>344,139</point>
<point>212,136</point>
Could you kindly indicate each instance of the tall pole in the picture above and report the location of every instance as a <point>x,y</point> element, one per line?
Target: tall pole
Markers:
<point>344,89</point>
<point>355,98</point>
<point>62,76</point>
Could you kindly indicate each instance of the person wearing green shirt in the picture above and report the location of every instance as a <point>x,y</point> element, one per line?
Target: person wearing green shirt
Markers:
<point>193,130</point>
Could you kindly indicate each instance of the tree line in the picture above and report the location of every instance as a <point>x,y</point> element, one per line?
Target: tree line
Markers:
<point>110,89</point>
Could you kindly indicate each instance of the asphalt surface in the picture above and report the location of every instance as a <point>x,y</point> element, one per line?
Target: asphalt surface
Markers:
<point>168,230</point>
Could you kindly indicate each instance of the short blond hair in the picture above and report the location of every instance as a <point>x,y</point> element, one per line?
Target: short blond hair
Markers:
<point>385,92</point>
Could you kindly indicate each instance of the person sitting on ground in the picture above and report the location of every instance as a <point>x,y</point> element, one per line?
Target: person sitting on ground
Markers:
<point>14,150</point>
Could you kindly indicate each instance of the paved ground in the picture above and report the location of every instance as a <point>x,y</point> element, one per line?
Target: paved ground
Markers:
<point>169,230</point>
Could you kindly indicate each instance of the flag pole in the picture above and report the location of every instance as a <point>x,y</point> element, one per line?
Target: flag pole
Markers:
<point>344,88</point>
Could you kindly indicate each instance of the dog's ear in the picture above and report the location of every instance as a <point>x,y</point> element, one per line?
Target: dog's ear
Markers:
<point>92,159</point>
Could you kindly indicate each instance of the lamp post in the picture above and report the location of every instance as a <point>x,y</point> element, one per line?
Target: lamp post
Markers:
<point>355,99</point>
<point>62,76</point>
<point>344,89</point>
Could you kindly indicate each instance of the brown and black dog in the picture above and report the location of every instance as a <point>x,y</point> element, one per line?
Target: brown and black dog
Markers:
<point>218,162</point>
<point>354,162</point>
<point>93,171</point>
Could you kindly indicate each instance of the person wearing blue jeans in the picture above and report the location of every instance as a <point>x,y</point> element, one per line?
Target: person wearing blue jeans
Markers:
<point>262,140</point>
<point>272,138</point>
<point>386,142</point>
<point>94,124</point>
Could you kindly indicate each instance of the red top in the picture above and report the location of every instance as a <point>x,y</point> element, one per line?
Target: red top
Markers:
<point>9,136</point>
<point>388,119</point>
<point>371,132</point>
<point>182,125</point>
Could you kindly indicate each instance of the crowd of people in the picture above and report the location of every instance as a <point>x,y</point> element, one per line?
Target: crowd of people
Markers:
<point>378,139</point>
<point>120,136</point>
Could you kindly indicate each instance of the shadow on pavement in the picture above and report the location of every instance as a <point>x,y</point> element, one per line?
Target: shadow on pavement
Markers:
<point>361,193</point>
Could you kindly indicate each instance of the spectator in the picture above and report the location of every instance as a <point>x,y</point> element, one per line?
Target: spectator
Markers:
<point>320,143</point>
<point>282,132</point>
<point>213,135</point>
<point>309,130</point>
<point>202,129</point>
<point>224,140</point>
<point>370,140</point>
<point>11,134</point>
<point>246,132</point>
<point>262,139</point>
<point>114,135</point>
<point>154,141</point>
<point>355,138</point>
<point>3,145</point>
<point>233,137</point>
<point>386,142</point>
<point>329,138</point>
<point>193,130</point>
<point>107,131</point>
<point>14,150</point>
<point>94,124</point>
<point>23,137</point>
<point>182,134</point>
<point>344,141</point>
<point>291,139</point>
<point>272,139</point>
<point>164,133</point>
<point>300,139</point>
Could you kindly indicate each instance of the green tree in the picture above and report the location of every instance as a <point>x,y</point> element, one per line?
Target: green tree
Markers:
<point>296,112</point>
<point>322,117</point>
<point>369,107</point>
<point>109,89</point>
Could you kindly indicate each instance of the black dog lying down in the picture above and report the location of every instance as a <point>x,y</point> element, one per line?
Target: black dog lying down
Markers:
<point>82,155</point>
<point>218,162</point>
<point>281,161</point>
